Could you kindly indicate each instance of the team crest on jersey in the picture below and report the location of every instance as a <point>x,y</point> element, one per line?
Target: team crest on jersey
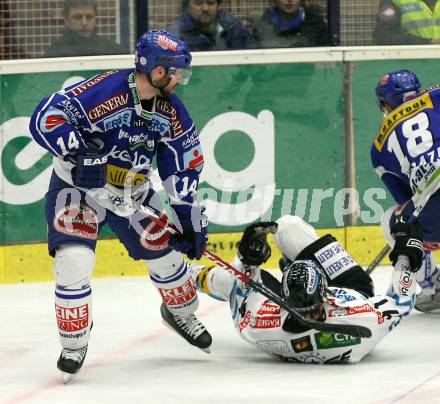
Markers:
<point>405,111</point>
<point>52,119</point>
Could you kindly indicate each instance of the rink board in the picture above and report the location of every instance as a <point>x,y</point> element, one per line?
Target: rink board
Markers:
<point>245,87</point>
<point>31,262</point>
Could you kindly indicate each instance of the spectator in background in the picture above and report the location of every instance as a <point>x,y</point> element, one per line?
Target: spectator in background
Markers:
<point>401,22</point>
<point>79,37</point>
<point>8,48</point>
<point>204,27</point>
<point>289,23</point>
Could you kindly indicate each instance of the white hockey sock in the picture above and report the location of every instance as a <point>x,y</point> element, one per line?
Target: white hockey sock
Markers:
<point>171,276</point>
<point>73,296</point>
<point>73,308</point>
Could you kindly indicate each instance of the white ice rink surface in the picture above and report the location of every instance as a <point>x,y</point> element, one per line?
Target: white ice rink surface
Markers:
<point>133,358</point>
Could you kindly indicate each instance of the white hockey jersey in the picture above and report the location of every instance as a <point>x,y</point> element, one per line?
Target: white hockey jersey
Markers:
<point>260,321</point>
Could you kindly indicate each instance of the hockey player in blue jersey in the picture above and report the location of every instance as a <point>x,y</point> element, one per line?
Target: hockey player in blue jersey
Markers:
<point>108,129</point>
<point>406,156</point>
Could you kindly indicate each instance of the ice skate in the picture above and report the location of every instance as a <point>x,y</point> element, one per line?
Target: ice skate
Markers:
<point>429,298</point>
<point>426,302</point>
<point>71,361</point>
<point>188,327</point>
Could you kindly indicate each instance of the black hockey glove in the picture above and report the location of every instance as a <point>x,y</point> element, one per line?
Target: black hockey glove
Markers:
<point>253,248</point>
<point>408,238</point>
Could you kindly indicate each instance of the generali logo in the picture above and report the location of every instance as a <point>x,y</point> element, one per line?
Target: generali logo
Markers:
<point>108,106</point>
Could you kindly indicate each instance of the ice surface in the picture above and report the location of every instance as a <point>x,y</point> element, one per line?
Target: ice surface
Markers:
<point>133,358</point>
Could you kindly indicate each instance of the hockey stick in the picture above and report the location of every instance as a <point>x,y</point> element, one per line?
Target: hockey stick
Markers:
<point>377,260</point>
<point>420,199</point>
<point>347,329</point>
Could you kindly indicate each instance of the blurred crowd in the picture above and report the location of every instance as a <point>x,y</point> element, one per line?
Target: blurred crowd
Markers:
<point>209,25</point>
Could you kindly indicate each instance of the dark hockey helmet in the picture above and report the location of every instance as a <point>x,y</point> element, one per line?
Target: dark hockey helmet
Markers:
<point>160,48</point>
<point>395,87</point>
<point>303,286</point>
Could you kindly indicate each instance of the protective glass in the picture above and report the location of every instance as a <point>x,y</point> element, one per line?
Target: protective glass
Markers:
<point>183,76</point>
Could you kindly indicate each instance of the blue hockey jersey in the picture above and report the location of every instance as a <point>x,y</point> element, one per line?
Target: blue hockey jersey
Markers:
<point>406,151</point>
<point>107,107</point>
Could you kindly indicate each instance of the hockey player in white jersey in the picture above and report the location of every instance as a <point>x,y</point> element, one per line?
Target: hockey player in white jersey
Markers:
<point>321,281</point>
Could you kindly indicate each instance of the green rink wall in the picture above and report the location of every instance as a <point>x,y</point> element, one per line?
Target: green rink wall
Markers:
<point>260,124</point>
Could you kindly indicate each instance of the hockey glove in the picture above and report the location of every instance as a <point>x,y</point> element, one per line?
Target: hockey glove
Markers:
<point>254,249</point>
<point>408,238</point>
<point>91,168</point>
<point>194,236</point>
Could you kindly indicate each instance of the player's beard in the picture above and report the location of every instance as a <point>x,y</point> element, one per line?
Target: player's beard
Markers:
<point>165,94</point>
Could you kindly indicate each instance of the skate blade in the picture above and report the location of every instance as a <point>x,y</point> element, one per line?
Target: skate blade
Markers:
<point>207,350</point>
<point>67,377</point>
